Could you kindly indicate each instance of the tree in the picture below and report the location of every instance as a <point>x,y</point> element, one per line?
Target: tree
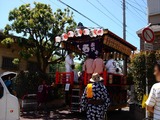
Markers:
<point>39,26</point>
<point>142,66</point>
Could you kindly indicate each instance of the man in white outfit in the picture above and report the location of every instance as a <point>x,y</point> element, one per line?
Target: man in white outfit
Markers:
<point>111,65</point>
<point>69,62</point>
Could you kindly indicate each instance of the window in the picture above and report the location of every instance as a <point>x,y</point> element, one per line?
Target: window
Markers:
<point>8,64</point>
<point>1,91</point>
<point>32,66</point>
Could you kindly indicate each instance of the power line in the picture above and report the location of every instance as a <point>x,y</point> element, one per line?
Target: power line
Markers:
<point>139,15</point>
<point>136,8</point>
<point>87,17</point>
<point>139,4</point>
<point>111,18</point>
<point>23,1</point>
<point>140,18</point>
<point>109,11</point>
<point>60,7</point>
<point>103,13</point>
<point>144,2</point>
<point>80,13</point>
<point>116,3</point>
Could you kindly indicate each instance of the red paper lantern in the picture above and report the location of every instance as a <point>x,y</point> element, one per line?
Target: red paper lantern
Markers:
<point>93,33</point>
<point>70,34</point>
<point>64,37</point>
<point>58,39</point>
<point>86,31</point>
<point>78,32</point>
<point>99,32</point>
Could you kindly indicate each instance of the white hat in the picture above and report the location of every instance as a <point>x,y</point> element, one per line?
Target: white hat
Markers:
<point>96,78</point>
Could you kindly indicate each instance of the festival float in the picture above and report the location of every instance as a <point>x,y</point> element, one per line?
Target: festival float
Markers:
<point>85,41</point>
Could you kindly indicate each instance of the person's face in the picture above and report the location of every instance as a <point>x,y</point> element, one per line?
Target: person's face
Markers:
<point>157,73</point>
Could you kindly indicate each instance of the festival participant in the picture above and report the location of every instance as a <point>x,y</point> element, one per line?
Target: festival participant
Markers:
<point>111,65</point>
<point>95,99</point>
<point>69,62</point>
<point>98,65</point>
<point>42,94</point>
<point>87,66</point>
<point>75,74</point>
<point>153,104</point>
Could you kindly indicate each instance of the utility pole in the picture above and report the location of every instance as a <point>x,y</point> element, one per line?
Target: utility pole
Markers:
<point>124,19</point>
<point>124,35</point>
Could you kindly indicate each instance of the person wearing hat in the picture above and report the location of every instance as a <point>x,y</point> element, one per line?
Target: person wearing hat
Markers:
<point>95,99</point>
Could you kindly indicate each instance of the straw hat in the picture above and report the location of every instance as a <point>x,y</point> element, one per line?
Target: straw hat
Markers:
<point>96,78</point>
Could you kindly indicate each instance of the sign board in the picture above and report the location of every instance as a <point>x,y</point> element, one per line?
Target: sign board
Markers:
<point>148,35</point>
<point>148,46</point>
<point>67,86</point>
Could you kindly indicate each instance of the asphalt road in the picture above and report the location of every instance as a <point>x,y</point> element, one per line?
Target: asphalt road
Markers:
<point>66,115</point>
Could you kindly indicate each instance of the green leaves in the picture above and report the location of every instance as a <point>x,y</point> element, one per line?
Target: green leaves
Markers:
<point>7,41</point>
<point>141,67</point>
<point>39,25</point>
<point>16,61</point>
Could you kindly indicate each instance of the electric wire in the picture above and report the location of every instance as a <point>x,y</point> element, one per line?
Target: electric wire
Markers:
<point>140,18</point>
<point>23,1</point>
<point>111,19</point>
<point>144,2</point>
<point>136,8</point>
<point>104,13</point>
<point>140,5</point>
<point>109,11</point>
<point>80,13</point>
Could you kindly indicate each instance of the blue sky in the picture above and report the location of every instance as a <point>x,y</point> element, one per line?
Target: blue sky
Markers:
<point>111,18</point>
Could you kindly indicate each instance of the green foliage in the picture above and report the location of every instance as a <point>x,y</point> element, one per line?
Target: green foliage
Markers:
<point>39,25</point>
<point>79,67</point>
<point>57,67</point>
<point>26,82</point>
<point>7,41</point>
<point>142,65</point>
<point>16,61</point>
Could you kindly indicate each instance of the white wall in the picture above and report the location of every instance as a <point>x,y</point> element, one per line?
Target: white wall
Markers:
<point>153,7</point>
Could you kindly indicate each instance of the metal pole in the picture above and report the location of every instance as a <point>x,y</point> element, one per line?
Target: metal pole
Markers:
<point>124,35</point>
<point>124,19</point>
<point>146,80</point>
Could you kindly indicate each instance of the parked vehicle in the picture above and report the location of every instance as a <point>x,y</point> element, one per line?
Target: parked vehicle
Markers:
<point>9,105</point>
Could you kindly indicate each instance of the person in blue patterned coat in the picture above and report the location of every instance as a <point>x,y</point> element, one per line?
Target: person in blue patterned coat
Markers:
<point>95,99</point>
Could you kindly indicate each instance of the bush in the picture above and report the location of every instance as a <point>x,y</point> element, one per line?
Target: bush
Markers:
<point>142,66</point>
<point>26,83</point>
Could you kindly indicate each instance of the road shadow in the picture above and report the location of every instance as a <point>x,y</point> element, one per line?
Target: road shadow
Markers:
<point>65,114</point>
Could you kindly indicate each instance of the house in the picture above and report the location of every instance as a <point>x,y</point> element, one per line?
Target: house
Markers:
<point>153,20</point>
<point>8,54</point>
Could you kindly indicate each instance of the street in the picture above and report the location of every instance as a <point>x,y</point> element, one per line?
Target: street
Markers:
<point>61,114</point>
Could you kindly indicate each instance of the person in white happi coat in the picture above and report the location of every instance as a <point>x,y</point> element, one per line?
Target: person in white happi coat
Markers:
<point>69,62</point>
<point>111,65</point>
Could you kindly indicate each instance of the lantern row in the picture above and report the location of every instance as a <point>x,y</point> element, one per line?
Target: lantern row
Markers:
<point>78,33</point>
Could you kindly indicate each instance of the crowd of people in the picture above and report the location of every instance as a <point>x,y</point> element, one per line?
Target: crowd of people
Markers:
<point>92,65</point>
<point>95,99</point>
